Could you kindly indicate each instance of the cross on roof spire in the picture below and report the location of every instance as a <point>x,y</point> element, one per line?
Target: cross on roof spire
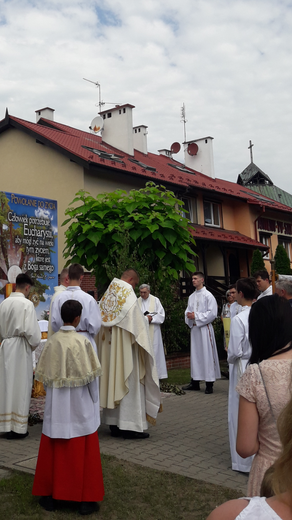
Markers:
<point>250,148</point>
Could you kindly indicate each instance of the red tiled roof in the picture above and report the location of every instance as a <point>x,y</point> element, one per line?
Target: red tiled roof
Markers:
<point>77,144</point>
<point>225,235</point>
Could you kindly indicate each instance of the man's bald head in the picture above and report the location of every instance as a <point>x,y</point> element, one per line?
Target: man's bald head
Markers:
<point>130,276</point>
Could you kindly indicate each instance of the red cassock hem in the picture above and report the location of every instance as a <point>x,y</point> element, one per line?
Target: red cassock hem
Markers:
<point>69,469</point>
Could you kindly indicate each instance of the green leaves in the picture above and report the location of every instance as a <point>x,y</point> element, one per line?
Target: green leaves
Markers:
<point>149,220</point>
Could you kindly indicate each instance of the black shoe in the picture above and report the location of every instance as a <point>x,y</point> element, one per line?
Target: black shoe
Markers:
<point>128,434</point>
<point>193,385</point>
<point>115,431</point>
<point>13,436</point>
<point>209,387</point>
<point>47,503</point>
<point>86,508</point>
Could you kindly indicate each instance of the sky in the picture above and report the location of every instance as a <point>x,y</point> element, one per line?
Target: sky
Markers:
<point>227,61</point>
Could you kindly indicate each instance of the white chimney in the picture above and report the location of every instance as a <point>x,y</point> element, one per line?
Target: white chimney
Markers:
<point>199,155</point>
<point>46,113</point>
<point>118,128</point>
<point>140,138</point>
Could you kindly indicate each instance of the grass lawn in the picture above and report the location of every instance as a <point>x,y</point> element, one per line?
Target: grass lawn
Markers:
<point>132,492</point>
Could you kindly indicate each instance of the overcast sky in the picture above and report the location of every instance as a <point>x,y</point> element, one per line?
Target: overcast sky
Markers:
<point>228,61</point>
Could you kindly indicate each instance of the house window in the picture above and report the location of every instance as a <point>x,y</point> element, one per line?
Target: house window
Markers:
<point>286,244</point>
<point>109,114</point>
<point>186,209</point>
<point>265,239</point>
<point>211,214</point>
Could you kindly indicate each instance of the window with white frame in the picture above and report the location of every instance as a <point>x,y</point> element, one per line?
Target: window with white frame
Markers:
<point>265,239</point>
<point>212,214</point>
<point>286,244</point>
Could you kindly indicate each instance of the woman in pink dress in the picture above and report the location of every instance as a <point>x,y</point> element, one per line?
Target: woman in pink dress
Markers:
<point>264,388</point>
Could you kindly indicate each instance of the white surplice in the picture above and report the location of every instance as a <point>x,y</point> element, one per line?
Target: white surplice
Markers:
<point>19,335</point>
<point>90,322</point>
<point>267,292</point>
<point>71,412</point>
<point>235,309</point>
<point>58,289</point>
<point>239,352</point>
<point>153,304</point>
<point>204,355</point>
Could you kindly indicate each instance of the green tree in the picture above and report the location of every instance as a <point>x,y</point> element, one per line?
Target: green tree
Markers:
<point>282,262</point>
<point>257,262</point>
<point>159,236</point>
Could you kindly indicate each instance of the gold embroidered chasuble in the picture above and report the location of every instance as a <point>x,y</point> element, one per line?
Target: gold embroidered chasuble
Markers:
<point>123,327</point>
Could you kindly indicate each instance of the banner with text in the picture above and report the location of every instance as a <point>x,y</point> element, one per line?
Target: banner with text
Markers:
<point>29,244</point>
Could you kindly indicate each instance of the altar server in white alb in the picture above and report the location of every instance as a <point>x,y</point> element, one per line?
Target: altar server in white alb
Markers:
<point>90,322</point>
<point>239,352</point>
<point>69,465</point>
<point>154,312</point>
<point>201,311</point>
<point>19,335</point>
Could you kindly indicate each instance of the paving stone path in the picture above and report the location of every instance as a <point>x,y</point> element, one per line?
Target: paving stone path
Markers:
<point>191,439</point>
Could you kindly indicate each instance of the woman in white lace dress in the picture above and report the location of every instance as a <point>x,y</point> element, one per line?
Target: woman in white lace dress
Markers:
<point>278,507</point>
<point>265,386</point>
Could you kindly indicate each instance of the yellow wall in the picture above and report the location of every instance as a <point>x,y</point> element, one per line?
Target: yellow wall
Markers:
<point>33,169</point>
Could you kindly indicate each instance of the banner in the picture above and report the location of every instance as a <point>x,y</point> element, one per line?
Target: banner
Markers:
<point>29,244</point>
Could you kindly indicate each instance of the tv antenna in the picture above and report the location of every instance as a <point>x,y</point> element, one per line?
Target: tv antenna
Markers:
<point>184,121</point>
<point>100,103</point>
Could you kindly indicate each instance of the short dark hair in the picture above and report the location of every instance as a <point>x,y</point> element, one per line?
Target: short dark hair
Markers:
<point>263,274</point>
<point>75,272</point>
<point>199,273</point>
<point>232,286</point>
<point>22,280</point>
<point>270,327</point>
<point>70,310</point>
<point>247,286</point>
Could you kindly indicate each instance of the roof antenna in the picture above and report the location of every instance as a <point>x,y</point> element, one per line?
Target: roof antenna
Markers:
<point>184,121</point>
<point>100,103</point>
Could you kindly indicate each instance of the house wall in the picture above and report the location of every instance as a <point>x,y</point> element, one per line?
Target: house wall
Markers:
<point>33,169</point>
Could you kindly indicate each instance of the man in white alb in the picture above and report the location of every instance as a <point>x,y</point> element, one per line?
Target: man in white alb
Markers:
<point>263,283</point>
<point>64,282</point>
<point>129,384</point>
<point>19,335</point>
<point>154,312</point>
<point>90,319</point>
<point>201,311</point>
<point>239,351</point>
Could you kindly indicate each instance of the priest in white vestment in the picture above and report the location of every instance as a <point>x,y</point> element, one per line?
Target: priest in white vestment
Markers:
<point>129,385</point>
<point>69,465</point>
<point>64,282</point>
<point>201,311</point>
<point>19,335</point>
<point>239,352</point>
<point>154,312</point>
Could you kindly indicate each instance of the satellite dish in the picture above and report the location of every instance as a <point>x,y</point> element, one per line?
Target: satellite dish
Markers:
<point>193,149</point>
<point>175,147</point>
<point>96,124</point>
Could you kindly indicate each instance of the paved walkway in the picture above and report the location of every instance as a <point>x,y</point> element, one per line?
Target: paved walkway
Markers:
<point>191,439</point>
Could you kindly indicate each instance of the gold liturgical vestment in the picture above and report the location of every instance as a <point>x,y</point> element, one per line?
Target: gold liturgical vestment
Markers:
<point>125,352</point>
